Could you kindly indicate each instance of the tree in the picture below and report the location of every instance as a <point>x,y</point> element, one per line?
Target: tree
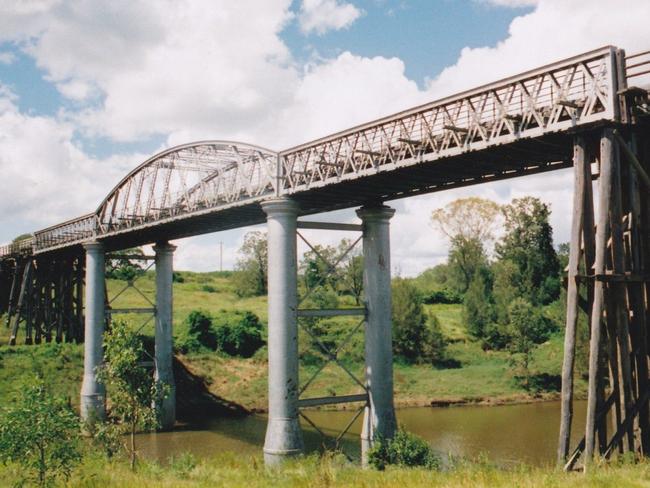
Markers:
<point>528,244</point>
<point>250,276</point>
<point>528,328</point>
<point>478,312</point>
<point>125,268</point>
<point>317,269</point>
<point>469,223</point>
<point>133,390</point>
<point>351,278</point>
<point>466,258</point>
<point>414,338</point>
<point>41,432</point>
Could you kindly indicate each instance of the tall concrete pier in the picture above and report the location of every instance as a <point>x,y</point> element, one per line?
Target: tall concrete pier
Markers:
<point>379,415</point>
<point>283,434</point>
<point>164,334</point>
<point>93,394</point>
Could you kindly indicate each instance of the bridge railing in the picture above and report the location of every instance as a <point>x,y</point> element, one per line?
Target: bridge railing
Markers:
<point>637,67</point>
<point>577,91</point>
<point>23,247</point>
<point>66,234</point>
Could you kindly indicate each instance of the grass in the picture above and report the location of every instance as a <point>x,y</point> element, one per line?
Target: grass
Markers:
<point>482,376</point>
<point>234,470</point>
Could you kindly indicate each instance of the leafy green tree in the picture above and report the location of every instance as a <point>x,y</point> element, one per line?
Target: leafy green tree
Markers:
<point>41,433</point>
<point>528,328</point>
<point>251,271</point>
<point>466,258</point>
<point>132,389</point>
<point>316,270</point>
<point>478,311</point>
<point>528,244</point>
<point>351,273</point>
<point>125,268</point>
<point>413,337</point>
<point>469,223</point>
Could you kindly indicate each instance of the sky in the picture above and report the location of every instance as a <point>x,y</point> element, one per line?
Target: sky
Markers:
<point>89,90</point>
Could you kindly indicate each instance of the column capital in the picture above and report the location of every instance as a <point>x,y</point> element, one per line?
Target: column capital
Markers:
<point>164,247</point>
<point>377,213</point>
<point>280,206</point>
<point>93,246</point>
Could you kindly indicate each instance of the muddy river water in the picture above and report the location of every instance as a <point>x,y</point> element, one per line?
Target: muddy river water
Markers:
<point>504,434</point>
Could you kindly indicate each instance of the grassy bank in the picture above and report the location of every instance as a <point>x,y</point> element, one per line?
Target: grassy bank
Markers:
<point>477,376</point>
<point>232,470</point>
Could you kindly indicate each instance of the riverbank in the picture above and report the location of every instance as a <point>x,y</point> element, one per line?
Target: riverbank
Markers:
<point>234,470</point>
<point>471,376</point>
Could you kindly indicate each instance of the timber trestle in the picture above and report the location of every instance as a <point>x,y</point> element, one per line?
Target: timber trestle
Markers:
<point>609,282</point>
<point>44,296</point>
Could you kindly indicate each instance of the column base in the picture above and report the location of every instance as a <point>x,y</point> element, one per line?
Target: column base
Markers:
<point>283,439</point>
<point>168,410</point>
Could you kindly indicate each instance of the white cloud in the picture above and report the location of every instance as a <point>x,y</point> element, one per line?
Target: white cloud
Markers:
<point>320,16</point>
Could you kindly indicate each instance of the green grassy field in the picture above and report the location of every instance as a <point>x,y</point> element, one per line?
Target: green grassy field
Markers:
<point>481,376</point>
<point>233,470</point>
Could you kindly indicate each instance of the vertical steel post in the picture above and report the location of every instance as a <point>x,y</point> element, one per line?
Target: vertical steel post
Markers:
<point>93,393</point>
<point>164,337</point>
<point>379,416</point>
<point>283,434</point>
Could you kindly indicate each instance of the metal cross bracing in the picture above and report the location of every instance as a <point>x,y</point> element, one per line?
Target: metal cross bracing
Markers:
<point>330,353</point>
<point>113,308</point>
<point>517,126</point>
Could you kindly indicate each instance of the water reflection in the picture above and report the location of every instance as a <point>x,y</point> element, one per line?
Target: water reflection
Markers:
<point>505,434</point>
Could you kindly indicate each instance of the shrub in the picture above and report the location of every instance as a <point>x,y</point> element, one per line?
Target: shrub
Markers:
<point>208,288</point>
<point>238,333</point>
<point>404,450</point>
<point>444,296</point>
<point>197,333</point>
<point>177,277</point>
<point>41,433</point>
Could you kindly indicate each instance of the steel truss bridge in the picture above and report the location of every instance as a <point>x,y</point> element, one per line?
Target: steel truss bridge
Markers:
<point>587,112</point>
<point>517,126</point>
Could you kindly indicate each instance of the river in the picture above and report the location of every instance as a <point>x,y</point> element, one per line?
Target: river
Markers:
<point>506,435</point>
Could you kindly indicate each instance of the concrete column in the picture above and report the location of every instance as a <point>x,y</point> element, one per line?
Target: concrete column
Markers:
<point>93,393</point>
<point>164,338</point>
<point>379,417</point>
<point>283,434</point>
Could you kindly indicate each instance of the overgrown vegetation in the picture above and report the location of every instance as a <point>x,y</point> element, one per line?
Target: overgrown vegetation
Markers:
<point>405,450</point>
<point>132,390</point>
<point>40,433</point>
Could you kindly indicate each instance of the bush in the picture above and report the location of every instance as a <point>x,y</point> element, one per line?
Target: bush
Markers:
<point>444,296</point>
<point>238,333</point>
<point>41,433</point>
<point>177,277</point>
<point>404,450</point>
<point>197,333</point>
<point>208,289</point>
